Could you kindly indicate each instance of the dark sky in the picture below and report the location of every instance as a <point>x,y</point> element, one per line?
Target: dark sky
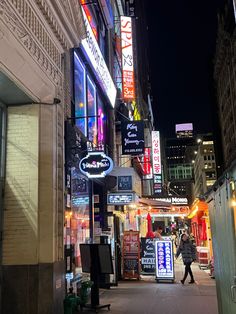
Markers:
<point>182,43</point>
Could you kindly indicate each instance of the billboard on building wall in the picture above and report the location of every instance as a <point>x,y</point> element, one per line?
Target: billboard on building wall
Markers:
<point>127,58</point>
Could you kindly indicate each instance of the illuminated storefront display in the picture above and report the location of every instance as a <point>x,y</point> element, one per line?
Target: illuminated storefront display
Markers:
<point>127,58</point>
<point>164,260</point>
<point>80,94</point>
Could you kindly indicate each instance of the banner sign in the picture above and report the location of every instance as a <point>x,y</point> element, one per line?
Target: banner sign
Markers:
<point>95,57</point>
<point>127,58</point>
<point>96,165</point>
<point>164,260</point>
<point>131,254</point>
<point>156,162</point>
<point>132,133</point>
<point>147,256</point>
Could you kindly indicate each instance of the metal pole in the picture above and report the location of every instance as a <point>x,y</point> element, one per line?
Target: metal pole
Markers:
<point>91,211</point>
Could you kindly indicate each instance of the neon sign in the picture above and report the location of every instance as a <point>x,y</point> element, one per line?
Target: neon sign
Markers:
<point>127,58</point>
<point>93,52</point>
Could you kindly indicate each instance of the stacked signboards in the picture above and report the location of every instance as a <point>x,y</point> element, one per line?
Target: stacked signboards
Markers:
<point>131,255</point>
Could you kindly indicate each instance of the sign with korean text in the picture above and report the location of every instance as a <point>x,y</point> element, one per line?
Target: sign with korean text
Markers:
<point>132,133</point>
<point>96,165</point>
<point>127,58</point>
<point>156,152</point>
<point>95,57</point>
<point>147,256</point>
<point>164,259</point>
<point>131,254</point>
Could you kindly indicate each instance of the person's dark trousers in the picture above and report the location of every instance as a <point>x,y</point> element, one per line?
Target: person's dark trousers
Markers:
<point>188,270</point>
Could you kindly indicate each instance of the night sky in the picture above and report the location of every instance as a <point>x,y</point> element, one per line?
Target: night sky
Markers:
<point>182,37</point>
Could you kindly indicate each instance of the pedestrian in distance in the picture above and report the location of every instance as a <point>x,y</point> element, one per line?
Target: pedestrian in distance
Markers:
<point>188,251</point>
<point>158,233</point>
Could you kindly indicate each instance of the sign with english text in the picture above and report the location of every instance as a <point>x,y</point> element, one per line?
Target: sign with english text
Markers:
<point>127,58</point>
<point>91,49</point>
<point>164,260</point>
<point>132,133</point>
<point>96,165</point>
<point>147,256</point>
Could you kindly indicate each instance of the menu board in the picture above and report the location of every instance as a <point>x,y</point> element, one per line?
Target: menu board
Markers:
<point>131,255</point>
<point>147,256</point>
<point>164,260</point>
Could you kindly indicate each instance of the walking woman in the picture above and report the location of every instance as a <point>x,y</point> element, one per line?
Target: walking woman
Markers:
<point>188,251</point>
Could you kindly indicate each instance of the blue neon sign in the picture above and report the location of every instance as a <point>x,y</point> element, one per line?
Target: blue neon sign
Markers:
<point>164,259</point>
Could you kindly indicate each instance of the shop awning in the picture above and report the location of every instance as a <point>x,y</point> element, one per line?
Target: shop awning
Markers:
<point>155,203</point>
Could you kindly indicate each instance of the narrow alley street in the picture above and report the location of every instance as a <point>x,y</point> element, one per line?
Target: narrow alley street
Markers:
<point>148,297</point>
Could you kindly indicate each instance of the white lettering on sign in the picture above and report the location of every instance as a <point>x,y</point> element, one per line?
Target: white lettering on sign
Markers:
<point>127,58</point>
<point>91,48</point>
<point>156,152</point>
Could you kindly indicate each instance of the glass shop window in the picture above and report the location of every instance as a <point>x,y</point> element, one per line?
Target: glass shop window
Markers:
<point>101,124</point>
<point>92,111</point>
<point>80,95</point>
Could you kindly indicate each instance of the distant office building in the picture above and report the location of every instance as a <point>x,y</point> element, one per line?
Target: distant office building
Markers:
<point>224,75</point>
<point>179,166</point>
<point>204,166</point>
<point>184,130</point>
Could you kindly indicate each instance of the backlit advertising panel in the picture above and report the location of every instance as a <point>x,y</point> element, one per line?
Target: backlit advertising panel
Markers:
<point>91,49</point>
<point>164,260</point>
<point>132,133</point>
<point>156,152</point>
<point>127,58</point>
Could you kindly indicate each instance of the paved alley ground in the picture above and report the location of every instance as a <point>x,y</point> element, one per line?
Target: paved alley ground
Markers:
<point>148,297</point>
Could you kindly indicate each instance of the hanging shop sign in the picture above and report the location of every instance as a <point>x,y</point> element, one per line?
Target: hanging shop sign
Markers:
<point>127,58</point>
<point>156,162</point>
<point>164,260</point>
<point>120,198</point>
<point>130,7</point>
<point>132,137</point>
<point>93,52</point>
<point>147,256</point>
<point>124,183</point>
<point>96,165</point>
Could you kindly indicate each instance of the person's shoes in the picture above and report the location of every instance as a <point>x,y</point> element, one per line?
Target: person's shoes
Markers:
<point>191,281</point>
<point>182,281</point>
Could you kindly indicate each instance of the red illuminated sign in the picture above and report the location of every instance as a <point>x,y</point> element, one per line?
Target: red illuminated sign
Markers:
<point>127,58</point>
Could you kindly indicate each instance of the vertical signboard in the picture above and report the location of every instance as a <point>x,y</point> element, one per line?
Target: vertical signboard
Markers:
<point>127,58</point>
<point>156,162</point>
<point>132,133</point>
<point>164,260</point>
<point>234,3</point>
<point>147,256</point>
<point>131,255</point>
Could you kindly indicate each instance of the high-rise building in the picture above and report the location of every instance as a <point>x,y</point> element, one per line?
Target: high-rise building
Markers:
<point>225,80</point>
<point>178,158</point>
<point>204,165</point>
